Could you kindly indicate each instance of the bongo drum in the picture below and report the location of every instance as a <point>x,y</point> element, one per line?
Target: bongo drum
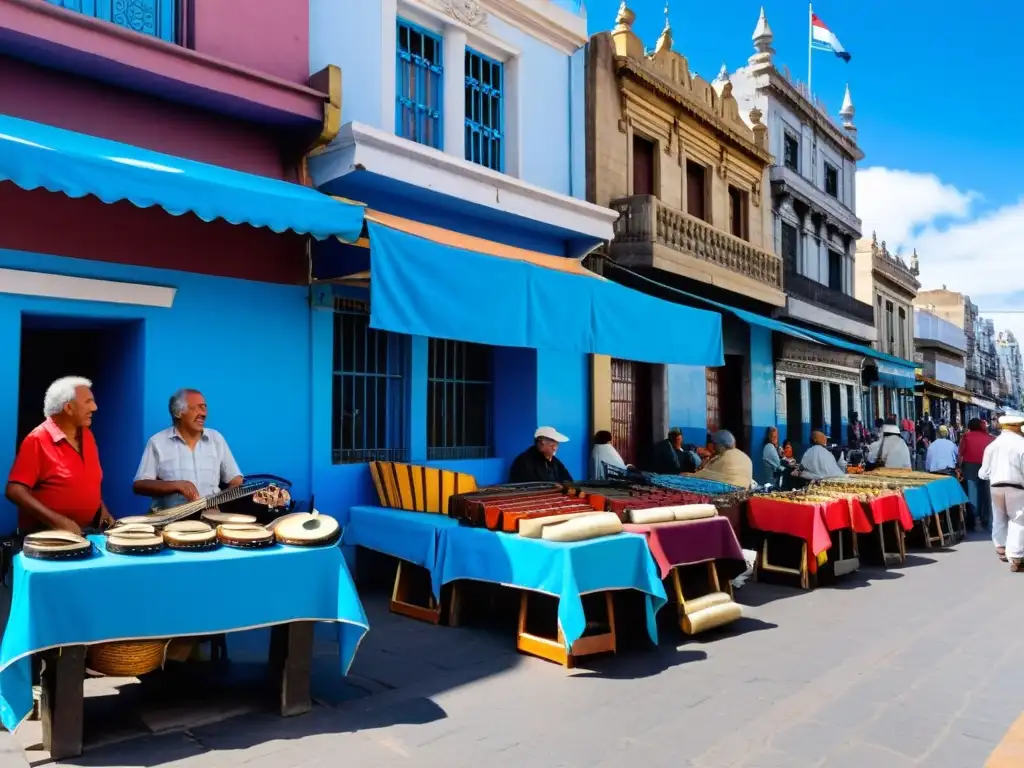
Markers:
<point>307,529</point>
<point>214,518</point>
<point>135,520</point>
<point>190,535</point>
<point>131,528</point>
<point>137,543</point>
<point>244,536</point>
<point>56,545</point>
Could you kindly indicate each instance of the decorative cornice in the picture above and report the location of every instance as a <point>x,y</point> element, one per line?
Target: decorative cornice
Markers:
<point>692,107</point>
<point>542,19</point>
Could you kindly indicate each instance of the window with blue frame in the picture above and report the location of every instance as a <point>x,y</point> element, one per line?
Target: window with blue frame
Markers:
<point>485,110</point>
<point>157,18</point>
<point>459,400</point>
<point>369,388</point>
<point>419,73</point>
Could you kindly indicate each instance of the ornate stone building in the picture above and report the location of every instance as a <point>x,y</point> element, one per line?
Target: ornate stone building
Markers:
<point>885,281</point>
<point>689,176</point>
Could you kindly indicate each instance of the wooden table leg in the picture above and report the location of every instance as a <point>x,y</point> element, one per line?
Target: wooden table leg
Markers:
<point>291,649</point>
<point>61,701</point>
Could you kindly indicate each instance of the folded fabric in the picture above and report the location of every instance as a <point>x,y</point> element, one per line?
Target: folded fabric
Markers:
<point>652,516</point>
<point>694,511</point>
<point>583,527</point>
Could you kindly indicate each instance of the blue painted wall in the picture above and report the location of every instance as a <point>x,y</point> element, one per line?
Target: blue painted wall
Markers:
<point>209,340</point>
<point>762,393</point>
<point>687,392</point>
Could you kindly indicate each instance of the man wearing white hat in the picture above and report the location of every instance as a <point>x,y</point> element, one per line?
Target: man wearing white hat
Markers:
<point>889,450</point>
<point>538,463</point>
<point>1003,466</point>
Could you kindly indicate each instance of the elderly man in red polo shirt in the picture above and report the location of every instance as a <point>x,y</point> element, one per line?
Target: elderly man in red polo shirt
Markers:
<point>56,477</point>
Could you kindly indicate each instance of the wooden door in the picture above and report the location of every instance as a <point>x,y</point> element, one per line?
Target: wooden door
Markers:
<point>643,166</point>
<point>631,409</point>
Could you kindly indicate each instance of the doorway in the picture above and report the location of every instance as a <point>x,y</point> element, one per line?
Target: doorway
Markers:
<point>794,413</point>
<point>836,417</point>
<point>109,353</point>
<point>643,166</point>
<point>725,406</point>
<point>817,406</point>
<point>632,429</point>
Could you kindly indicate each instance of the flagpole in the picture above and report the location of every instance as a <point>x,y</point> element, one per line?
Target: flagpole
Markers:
<point>810,49</point>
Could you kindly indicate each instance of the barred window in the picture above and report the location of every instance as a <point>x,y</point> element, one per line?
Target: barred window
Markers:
<point>484,111</point>
<point>459,412</point>
<point>369,388</point>
<point>419,72</point>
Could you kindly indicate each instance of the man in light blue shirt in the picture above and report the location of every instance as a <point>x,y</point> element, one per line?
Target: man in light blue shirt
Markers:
<point>942,454</point>
<point>186,461</point>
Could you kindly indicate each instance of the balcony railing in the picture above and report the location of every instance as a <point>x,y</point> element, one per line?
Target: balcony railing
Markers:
<point>158,18</point>
<point>645,221</point>
<point>828,298</point>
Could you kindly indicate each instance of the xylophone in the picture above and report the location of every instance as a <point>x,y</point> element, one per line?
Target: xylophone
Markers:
<point>502,509</point>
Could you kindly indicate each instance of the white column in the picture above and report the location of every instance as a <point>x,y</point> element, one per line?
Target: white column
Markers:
<point>455,92</point>
<point>512,119</point>
<point>388,66</point>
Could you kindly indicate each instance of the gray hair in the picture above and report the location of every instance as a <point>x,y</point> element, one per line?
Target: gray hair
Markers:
<point>62,392</point>
<point>178,404</point>
<point>723,438</point>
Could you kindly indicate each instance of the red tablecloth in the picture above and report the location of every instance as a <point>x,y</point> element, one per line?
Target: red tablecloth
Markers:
<point>847,513</point>
<point>804,521</point>
<point>694,541</point>
<point>892,507</point>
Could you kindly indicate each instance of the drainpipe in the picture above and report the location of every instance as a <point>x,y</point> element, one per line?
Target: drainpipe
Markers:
<point>572,166</point>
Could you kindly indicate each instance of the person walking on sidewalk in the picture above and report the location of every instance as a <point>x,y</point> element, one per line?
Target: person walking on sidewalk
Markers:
<point>1003,466</point>
<point>972,451</point>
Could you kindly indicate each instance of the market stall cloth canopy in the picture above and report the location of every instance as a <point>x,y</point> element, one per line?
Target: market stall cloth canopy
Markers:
<point>39,156</point>
<point>944,389</point>
<point>426,281</point>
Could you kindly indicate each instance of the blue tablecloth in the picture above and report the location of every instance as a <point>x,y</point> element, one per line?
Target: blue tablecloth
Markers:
<point>918,502</point>
<point>409,536</point>
<point>565,570</point>
<point>170,594</point>
<point>935,496</point>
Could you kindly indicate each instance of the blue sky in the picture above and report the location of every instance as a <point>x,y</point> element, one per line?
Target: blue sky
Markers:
<point>939,113</point>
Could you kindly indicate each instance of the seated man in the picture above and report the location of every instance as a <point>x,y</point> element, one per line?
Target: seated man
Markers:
<point>186,461</point>
<point>538,463</point>
<point>729,464</point>
<point>818,462</point>
<point>671,457</point>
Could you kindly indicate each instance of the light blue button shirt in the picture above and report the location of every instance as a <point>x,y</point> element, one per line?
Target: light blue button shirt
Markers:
<point>167,457</point>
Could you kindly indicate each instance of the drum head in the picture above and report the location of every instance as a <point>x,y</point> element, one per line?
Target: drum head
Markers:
<point>134,519</point>
<point>188,526</point>
<point>220,518</point>
<point>134,544</point>
<point>304,528</point>
<point>56,545</point>
<point>191,540</point>
<point>133,528</point>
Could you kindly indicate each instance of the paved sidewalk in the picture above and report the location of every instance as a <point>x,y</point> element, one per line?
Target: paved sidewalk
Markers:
<point>911,667</point>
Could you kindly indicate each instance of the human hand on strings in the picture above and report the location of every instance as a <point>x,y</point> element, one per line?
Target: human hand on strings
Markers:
<point>186,489</point>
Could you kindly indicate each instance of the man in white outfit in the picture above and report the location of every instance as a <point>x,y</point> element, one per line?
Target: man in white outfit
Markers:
<point>1003,466</point>
<point>889,450</point>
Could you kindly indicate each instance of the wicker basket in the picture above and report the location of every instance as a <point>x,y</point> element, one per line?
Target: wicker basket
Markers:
<point>130,659</point>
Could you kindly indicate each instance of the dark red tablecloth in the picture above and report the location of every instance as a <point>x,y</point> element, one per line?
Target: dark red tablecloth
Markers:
<point>694,541</point>
<point>891,507</point>
<point>804,521</point>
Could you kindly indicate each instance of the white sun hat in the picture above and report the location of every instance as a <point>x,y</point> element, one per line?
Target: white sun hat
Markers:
<point>550,433</point>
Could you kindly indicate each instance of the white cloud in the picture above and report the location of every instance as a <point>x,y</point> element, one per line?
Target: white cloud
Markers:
<point>977,253</point>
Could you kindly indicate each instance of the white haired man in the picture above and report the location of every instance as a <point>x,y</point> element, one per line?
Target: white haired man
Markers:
<point>186,461</point>
<point>729,464</point>
<point>56,477</point>
<point>1002,465</point>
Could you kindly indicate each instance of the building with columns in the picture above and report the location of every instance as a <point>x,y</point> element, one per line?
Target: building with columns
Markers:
<point>815,230</point>
<point>890,285</point>
<point>1012,367</point>
<point>688,175</point>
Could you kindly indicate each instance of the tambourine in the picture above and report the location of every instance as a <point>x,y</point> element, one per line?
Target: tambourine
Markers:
<point>272,496</point>
<point>190,535</point>
<point>56,545</point>
<point>244,536</point>
<point>134,543</point>
<point>307,529</point>
<point>214,518</point>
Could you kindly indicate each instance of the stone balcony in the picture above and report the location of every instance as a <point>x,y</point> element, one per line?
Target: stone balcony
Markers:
<point>649,233</point>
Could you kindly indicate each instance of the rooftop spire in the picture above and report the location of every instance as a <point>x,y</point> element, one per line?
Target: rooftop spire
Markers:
<point>847,111</point>
<point>624,18</point>
<point>762,38</point>
<point>665,40</point>
<point>915,265</point>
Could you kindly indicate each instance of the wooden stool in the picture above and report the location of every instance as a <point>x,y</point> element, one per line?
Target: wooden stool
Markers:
<point>801,572</point>
<point>553,649</point>
<point>714,601</point>
<point>410,579</point>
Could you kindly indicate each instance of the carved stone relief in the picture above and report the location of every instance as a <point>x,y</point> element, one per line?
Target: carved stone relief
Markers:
<point>469,12</point>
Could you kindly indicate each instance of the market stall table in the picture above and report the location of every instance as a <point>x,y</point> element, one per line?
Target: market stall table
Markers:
<point>62,607</point>
<point>709,541</point>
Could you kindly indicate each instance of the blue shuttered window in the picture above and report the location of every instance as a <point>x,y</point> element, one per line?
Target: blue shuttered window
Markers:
<point>419,74</point>
<point>484,111</point>
<point>459,400</point>
<point>369,388</point>
<point>148,17</point>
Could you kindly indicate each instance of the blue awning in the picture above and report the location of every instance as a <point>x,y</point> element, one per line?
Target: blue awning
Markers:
<point>424,288</point>
<point>34,156</point>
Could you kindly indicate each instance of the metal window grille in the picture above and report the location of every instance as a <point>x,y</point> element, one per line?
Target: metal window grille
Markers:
<point>484,111</point>
<point>419,73</point>
<point>157,18</point>
<point>624,409</point>
<point>459,400</point>
<point>369,388</point>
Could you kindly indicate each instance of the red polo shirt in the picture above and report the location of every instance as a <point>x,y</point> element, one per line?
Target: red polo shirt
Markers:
<point>973,445</point>
<point>66,481</point>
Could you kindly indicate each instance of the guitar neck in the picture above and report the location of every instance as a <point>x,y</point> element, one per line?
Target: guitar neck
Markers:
<point>231,494</point>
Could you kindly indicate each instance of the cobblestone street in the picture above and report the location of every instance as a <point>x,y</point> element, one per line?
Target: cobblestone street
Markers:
<point>911,667</point>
